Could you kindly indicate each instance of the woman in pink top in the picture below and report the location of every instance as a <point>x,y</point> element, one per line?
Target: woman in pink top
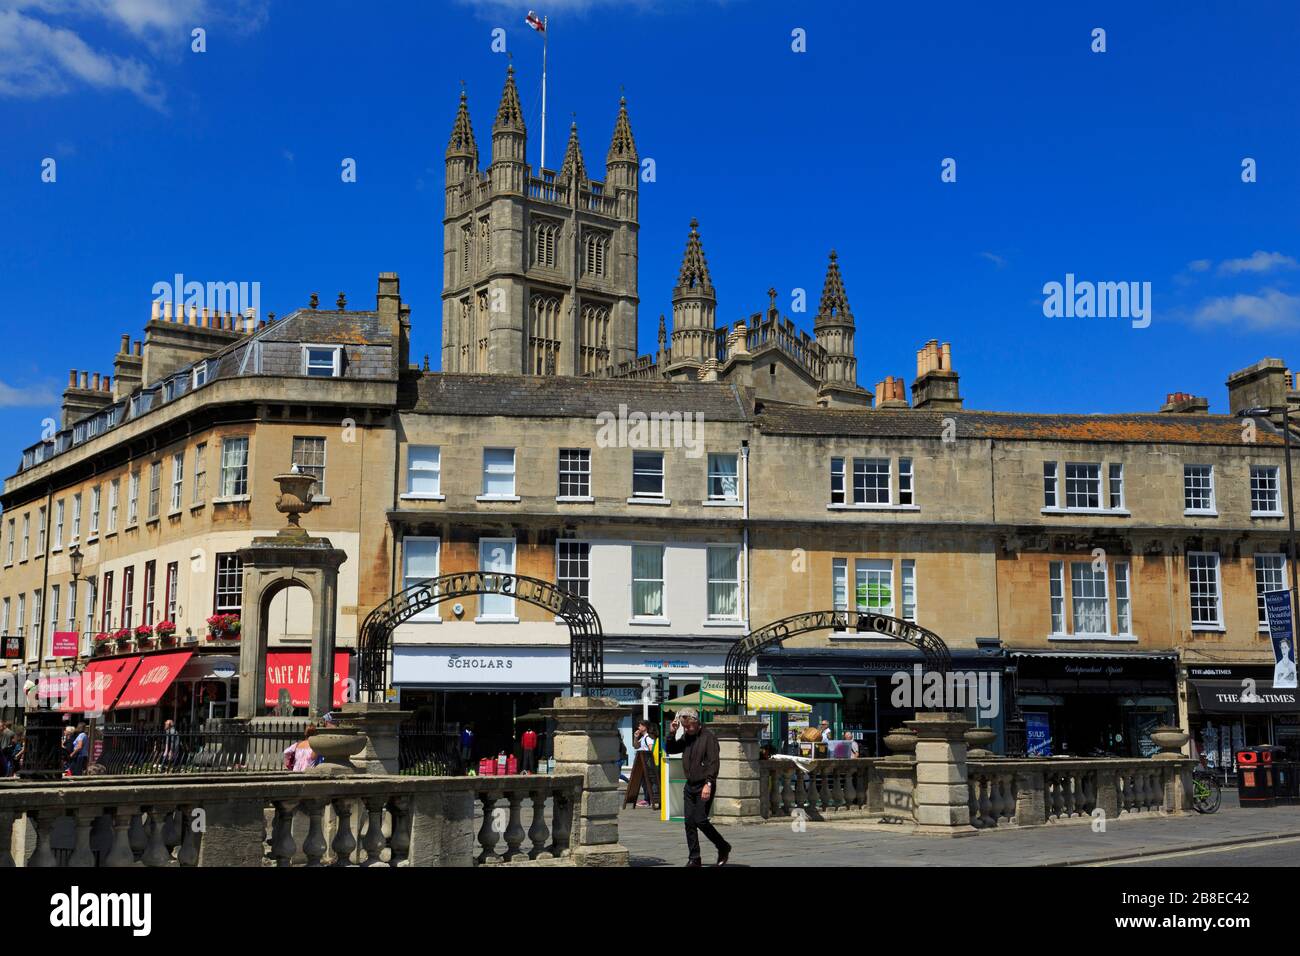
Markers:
<point>300,756</point>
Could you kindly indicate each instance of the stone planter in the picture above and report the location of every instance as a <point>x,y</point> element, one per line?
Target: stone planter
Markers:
<point>977,741</point>
<point>336,745</point>
<point>1170,740</point>
<point>901,741</point>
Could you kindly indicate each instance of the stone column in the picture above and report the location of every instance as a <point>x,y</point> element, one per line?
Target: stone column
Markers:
<point>1178,786</point>
<point>586,742</point>
<point>737,799</point>
<point>379,722</point>
<point>942,795</point>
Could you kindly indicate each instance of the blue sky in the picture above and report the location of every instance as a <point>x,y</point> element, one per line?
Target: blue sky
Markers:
<point>1115,166</point>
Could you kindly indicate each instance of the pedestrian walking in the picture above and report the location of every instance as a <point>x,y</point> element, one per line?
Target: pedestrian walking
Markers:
<point>171,745</point>
<point>699,750</point>
<point>644,741</point>
<point>79,753</point>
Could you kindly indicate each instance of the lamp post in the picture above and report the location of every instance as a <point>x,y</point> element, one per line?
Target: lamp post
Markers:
<point>75,560</point>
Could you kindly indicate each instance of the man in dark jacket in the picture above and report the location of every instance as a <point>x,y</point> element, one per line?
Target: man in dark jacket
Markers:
<point>699,750</point>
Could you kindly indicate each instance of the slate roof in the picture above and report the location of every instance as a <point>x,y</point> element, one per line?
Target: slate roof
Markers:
<point>544,396</point>
<point>1137,428</point>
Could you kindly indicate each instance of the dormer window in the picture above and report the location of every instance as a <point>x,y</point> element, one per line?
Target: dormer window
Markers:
<point>200,375</point>
<point>322,361</point>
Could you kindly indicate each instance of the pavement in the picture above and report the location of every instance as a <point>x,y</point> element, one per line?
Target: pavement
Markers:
<point>1265,836</point>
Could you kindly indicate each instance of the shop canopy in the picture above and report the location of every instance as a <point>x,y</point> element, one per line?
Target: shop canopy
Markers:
<point>152,678</point>
<point>97,688</point>
<point>758,701</point>
<point>291,670</point>
<point>1225,697</point>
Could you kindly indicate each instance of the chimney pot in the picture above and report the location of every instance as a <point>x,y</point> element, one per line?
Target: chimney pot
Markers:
<point>125,347</point>
<point>155,310</point>
<point>85,377</point>
<point>94,382</point>
<point>72,379</point>
<point>194,313</point>
<point>137,347</point>
<point>108,383</point>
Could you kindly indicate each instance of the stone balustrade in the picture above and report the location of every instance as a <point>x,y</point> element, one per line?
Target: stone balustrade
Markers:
<point>1013,792</point>
<point>290,820</point>
<point>827,789</point>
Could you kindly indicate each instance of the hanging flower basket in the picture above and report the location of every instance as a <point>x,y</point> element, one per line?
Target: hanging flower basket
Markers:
<point>122,637</point>
<point>102,642</point>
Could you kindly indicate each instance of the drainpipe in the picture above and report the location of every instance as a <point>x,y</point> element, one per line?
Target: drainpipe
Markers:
<point>45,570</point>
<point>744,459</point>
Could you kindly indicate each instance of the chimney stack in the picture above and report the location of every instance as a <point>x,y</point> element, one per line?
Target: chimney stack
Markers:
<point>935,387</point>
<point>1182,403</point>
<point>1266,384</point>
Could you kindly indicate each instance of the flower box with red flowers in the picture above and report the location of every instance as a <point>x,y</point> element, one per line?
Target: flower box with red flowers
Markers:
<point>223,627</point>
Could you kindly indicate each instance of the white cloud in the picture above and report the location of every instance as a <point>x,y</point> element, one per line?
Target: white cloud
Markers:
<point>27,396</point>
<point>1272,309</point>
<point>1199,265</point>
<point>38,60</point>
<point>43,51</point>
<point>1260,261</point>
<point>994,258</point>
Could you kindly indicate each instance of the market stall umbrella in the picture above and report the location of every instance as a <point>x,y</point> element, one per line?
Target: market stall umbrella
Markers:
<point>757,701</point>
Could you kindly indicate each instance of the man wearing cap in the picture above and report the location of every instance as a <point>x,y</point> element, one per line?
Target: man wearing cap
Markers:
<point>699,750</point>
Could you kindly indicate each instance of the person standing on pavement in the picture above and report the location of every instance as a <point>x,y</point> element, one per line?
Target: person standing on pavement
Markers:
<point>699,750</point>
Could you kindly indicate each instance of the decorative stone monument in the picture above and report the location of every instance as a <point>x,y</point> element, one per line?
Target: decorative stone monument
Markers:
<point>290,558</point>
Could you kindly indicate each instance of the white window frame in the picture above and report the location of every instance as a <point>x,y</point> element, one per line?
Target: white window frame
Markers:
<point>230,472</point>
<point>133,500</point>
<point>563,561</point>
<point>75,530</point>
<point>722,477</point>
<point>414,451</point>
<point>40,531</point>
<point>178,480</point>
<point>59,509</point>
<point>336,360</point>
<point>906,494</point>
<point>9,546</point>
<point>840,584</point>
<point>1217,564</point>
<point>1122,572</point>
<point>1075,598</point>
<point>907,585</point>
<point>889,481</point>
<point>1056,599</point>
<point>577,471</point>
<point>199,375</point>
<point>499,469</point>
<point>1115,485</point>
<point>662,493</point>
<point>114,495</point>
<point>734,549</point>
<point>839,490</point>
<point>318,490</point>
<point>200,474</point>
<point>27,536</point>
<point>155,489</point>
<point>1277,491</point>
<point>1259,588</point>
<point>662,616</point>
<point>864,569</point>
<point>96,499</point>
<point>497,617</point>
<point>1212,508</point>
<point>430,614</point>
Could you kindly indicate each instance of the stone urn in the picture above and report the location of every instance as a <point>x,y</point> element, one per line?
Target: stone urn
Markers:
<point>901,741</point>
<point>336,745</point>
<point>1170,740</point>
<point>978,740</point>
<point>294,500</point>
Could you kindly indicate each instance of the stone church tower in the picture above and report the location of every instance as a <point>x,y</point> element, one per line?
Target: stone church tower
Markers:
<point>539,267</point>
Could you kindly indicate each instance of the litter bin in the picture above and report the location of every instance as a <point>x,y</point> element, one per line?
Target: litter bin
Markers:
<point>1286,784</point>
<point>1255,777</point>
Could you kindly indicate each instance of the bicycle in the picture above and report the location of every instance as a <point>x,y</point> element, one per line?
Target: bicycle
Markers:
<point>1206,795</point>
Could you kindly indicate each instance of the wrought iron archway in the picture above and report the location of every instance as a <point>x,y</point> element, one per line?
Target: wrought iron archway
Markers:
<point>930,644</point>
<point>586,638</point>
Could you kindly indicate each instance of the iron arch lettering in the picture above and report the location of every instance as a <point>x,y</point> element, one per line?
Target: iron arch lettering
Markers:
<point>586,638</point>
<point>931,645</point>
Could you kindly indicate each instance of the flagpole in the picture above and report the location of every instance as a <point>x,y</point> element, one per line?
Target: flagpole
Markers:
<point>543,162</point>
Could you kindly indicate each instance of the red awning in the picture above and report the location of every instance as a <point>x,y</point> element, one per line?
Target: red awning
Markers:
<point>292,670</point>
<point>152,678</point>
<point>99,685</point>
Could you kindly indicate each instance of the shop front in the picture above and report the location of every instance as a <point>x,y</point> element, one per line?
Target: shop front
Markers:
<point>496,693</point>
<point>868,691</point>
<point>1233,706</point>
<point>1084,704</point>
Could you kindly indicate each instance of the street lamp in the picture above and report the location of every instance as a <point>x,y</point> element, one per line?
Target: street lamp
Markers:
<point>75,560</point>
<point>1285,409</point>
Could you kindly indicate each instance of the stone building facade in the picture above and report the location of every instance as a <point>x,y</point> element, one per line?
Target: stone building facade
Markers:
<point>1106,569</point>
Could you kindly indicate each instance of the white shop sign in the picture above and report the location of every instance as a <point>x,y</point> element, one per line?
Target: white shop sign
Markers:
<point>547,666</point>
<point>676,666</point>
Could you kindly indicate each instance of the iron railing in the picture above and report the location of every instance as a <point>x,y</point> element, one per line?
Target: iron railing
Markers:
<point>424,750</point>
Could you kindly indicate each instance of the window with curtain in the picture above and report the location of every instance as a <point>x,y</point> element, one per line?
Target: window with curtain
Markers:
<point>1089,602</point>
<point>419,563</point>
<point>648,474</point>
<point>724,480</point>
<point>234,466</point>
<point>499,471</point>
<point>423,470</point>
<point>308,453</point>
<point>647,580</point>
<point>496,555</point>
<point>724,583</point>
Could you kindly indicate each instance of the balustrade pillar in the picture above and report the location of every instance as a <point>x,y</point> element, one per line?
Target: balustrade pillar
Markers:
<point>586,743</point>
<point>942,794</point>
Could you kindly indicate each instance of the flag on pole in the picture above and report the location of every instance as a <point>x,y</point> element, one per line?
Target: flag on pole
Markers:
<point>534,21</point>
